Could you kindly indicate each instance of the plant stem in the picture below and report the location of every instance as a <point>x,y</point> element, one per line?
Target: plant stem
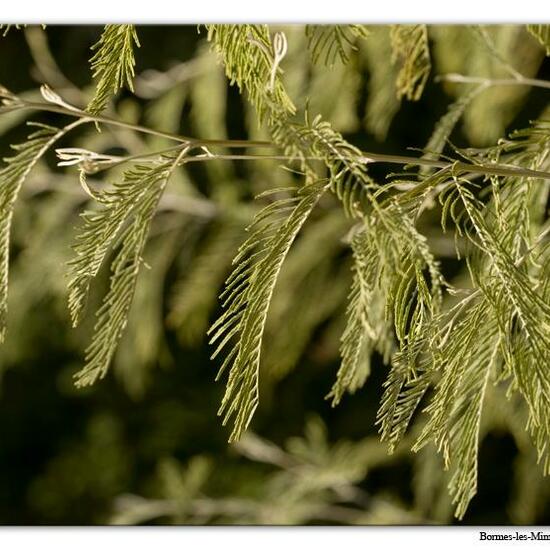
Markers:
<point>142,129</point>
<point>519,81</point>
<point>365,158</point>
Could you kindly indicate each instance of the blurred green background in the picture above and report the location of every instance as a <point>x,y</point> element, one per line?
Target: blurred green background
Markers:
<point>150,429</point>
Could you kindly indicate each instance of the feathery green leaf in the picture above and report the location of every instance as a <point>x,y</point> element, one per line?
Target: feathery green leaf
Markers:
<point>252,61</point>
<point>348,173</point>
<point>468,362</point>
<point>327,43</point>
<point>134,202</point>
<point>366,328</point>
<point>412,54</point>
<point>247,298</point>
<point>12,177</point>
<point>101,229</point>
<point>113,64</point>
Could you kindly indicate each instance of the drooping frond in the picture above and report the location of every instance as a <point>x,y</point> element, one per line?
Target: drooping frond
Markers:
<point>348,173</point>
<point>513,317</point>
<point>530,308</point>
<point>408,380</point>
<point>123,223</point>
<point>327,43</point>
<point>410,51</point>
<point>523,315</point>
<point>101,229</point>
<point>113,64</point>
<point>12,177</point>
<point>366,328</point>
<point>247,298</point>
<point>467,362</point>
<point>251,69</point>
<point>252,61</point>
<point>505,306</point>
<point>542,34</point>
<point>397,287</point>
<point>450,349</point>
<point>412,282</point>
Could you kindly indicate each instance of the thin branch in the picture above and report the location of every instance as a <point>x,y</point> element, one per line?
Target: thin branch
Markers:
<point>519,81</point>
<point>365,158</point>
<point>368,158</point>
<point>37,106</point>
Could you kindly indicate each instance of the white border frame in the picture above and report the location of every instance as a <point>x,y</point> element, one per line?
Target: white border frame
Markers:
<point>275,11</point>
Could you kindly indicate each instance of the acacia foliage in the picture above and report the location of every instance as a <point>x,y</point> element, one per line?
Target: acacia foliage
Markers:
<point>427,328</point>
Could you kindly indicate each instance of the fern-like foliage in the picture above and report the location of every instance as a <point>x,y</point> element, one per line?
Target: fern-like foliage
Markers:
<point>251,70</point>
<point>505,307</point>
<point>249,57</point>
<point>400,267</point>
<point>468,363</point>
<point>247,297</point>
<point>366,328</point>
<point>113,64</point>
<point>349,178</point>
<point>450,348</point>
<point>397,289</point>
<point>12,177</point>
<point>327,43</point>
<point>101,229</point>
<point>542,34</point>
<point>517,304</point>
<point>123,224</point>
<point>350,181</point>
<point>412,54</point>
<point>455,411</point>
